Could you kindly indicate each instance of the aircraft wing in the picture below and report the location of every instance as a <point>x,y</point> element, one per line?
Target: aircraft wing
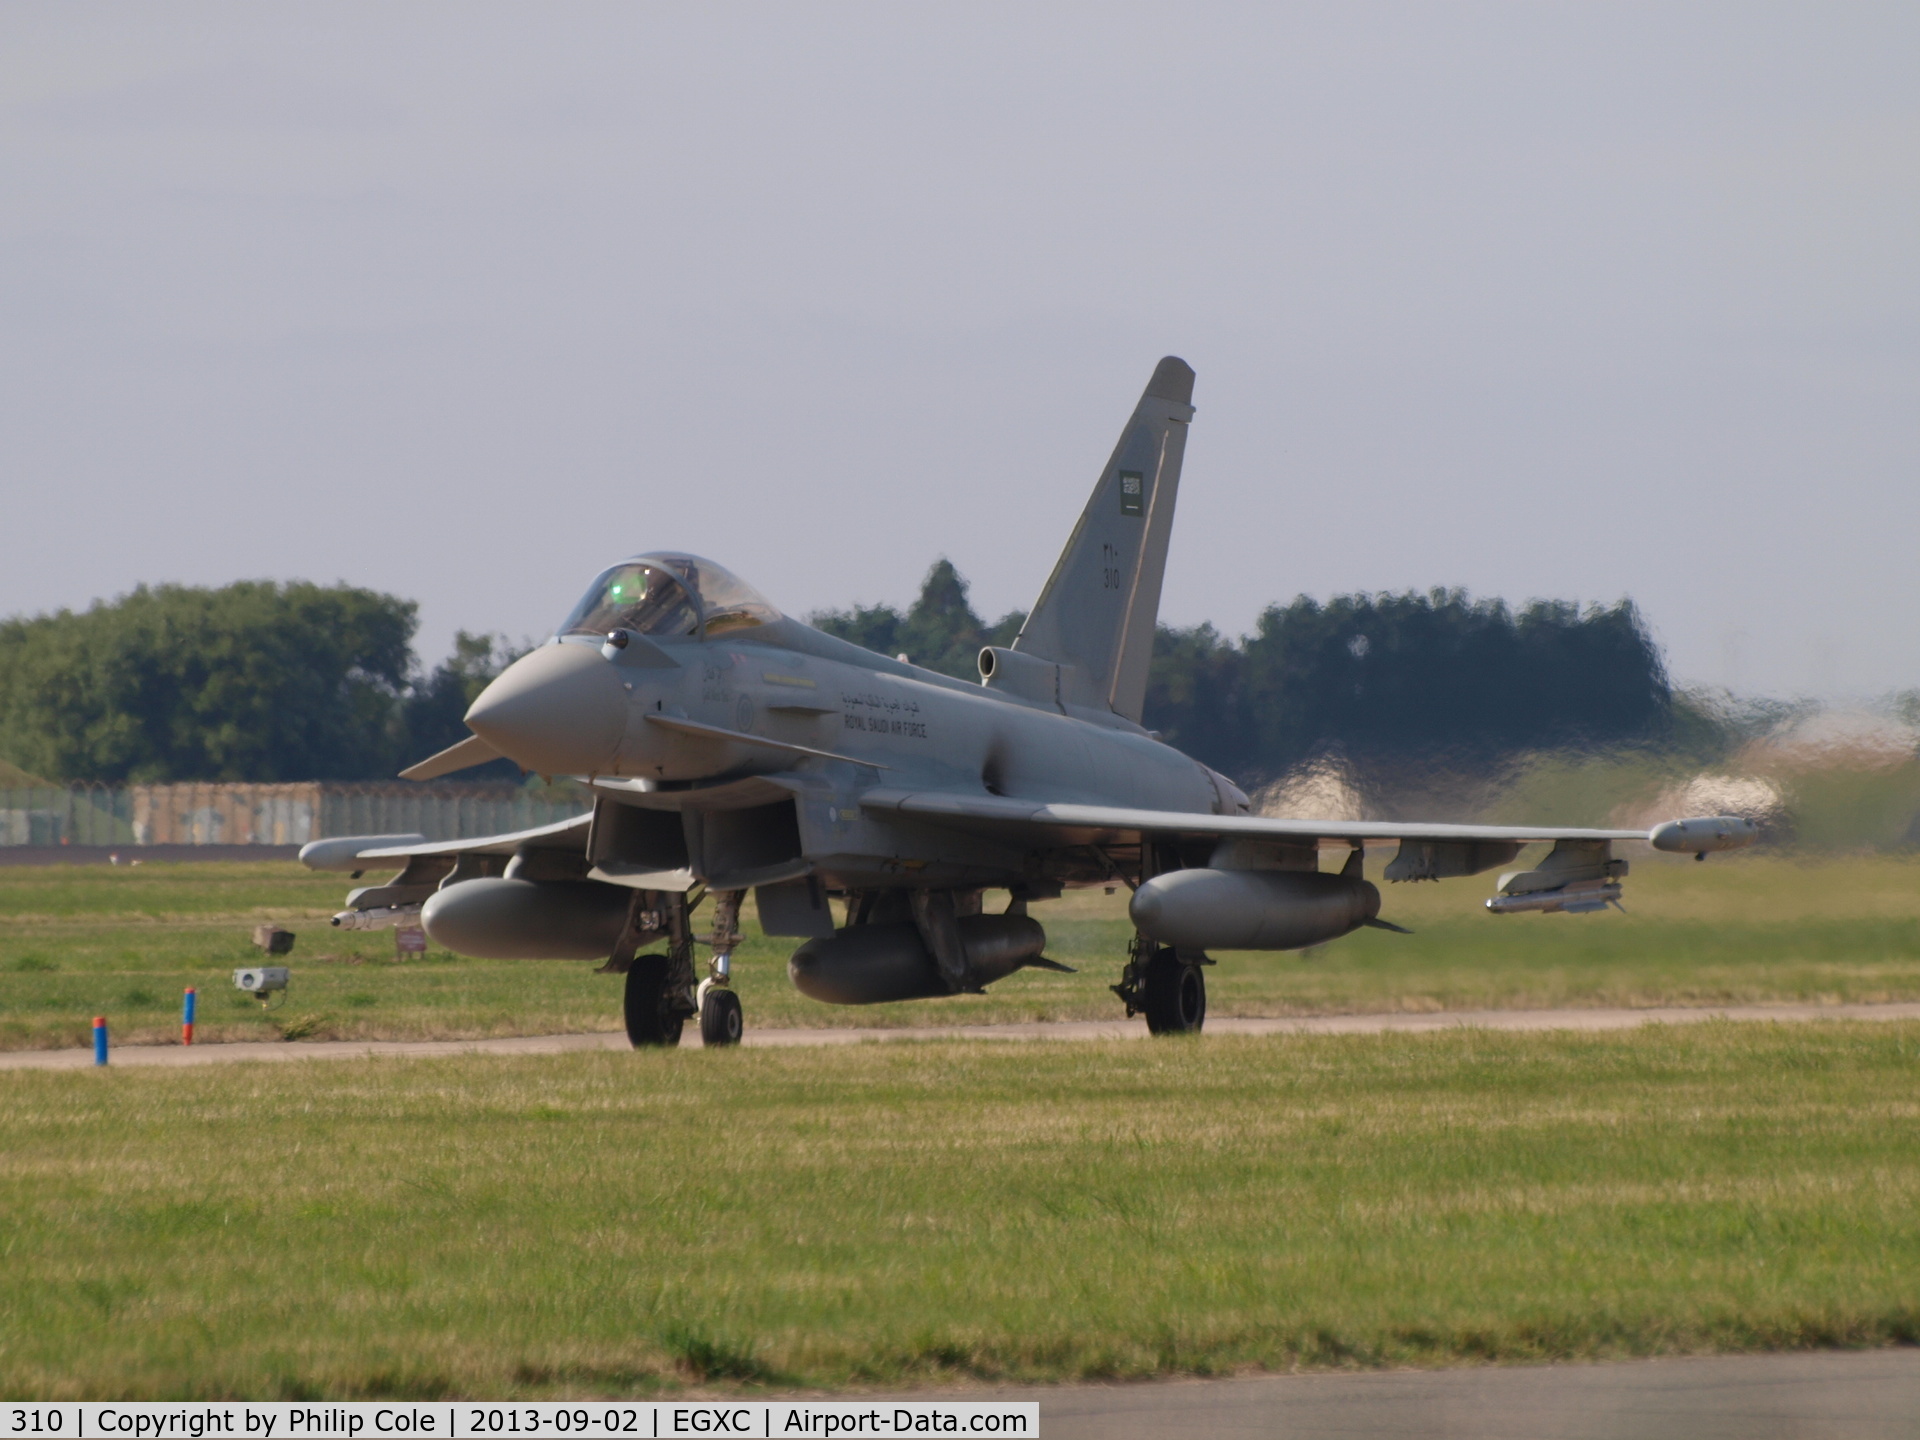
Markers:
<point>1092,821</point>
<point>561,835</point>
<point>358,852</point>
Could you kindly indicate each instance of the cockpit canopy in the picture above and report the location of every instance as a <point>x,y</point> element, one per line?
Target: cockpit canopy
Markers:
<point>665,594</point>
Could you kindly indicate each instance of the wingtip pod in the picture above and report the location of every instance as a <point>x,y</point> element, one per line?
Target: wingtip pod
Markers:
<point>343,852</point>
<point>1172,380</point>
<point>1704,835</point>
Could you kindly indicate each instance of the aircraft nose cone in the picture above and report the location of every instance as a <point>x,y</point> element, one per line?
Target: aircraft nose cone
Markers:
<point>558,710</point>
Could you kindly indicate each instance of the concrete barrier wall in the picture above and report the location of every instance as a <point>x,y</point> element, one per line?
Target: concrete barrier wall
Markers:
<point>219,814</point>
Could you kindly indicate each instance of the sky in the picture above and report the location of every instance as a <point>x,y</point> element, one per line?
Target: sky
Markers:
<point>465,302</point>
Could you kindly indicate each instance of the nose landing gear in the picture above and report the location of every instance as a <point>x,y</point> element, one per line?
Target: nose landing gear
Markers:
<point>660,992</point>
<point>721,1019</point>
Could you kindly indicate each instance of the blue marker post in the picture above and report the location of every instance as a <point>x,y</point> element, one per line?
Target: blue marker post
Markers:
<point>186,1017</point>
<point>99,1039</point>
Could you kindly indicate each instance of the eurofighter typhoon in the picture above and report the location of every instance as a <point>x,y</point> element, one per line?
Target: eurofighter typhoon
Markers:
<point>729,747</point>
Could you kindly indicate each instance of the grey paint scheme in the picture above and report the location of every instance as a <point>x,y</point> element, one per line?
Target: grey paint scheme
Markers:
<point>891,722</point>
<point>1096,616</point>
<point>775,753</point>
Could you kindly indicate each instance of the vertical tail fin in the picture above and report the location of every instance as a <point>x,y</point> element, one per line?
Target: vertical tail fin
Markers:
<point>1097,614</point>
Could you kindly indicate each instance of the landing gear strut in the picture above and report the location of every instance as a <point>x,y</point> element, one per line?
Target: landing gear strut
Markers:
<point>721,1020</point>
<point>1166,985</point>
<point>659,996</point>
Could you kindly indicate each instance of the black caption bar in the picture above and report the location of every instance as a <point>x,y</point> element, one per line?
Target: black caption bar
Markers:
<point>536,1420</point>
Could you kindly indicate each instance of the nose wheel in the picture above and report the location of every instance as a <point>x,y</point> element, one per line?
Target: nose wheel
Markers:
<point>721,1020</point>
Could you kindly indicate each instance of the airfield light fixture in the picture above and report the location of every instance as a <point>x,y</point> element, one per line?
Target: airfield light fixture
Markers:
<point>261,981</point>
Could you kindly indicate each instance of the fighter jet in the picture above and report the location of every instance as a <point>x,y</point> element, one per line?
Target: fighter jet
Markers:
<point>729,747</point>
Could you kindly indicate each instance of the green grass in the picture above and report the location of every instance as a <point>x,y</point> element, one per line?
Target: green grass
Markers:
<point>79,941</point>
<point>630,1223</point>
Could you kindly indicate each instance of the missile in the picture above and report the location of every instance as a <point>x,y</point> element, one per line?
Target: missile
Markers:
<point>1578,897</point>
<point>381,917</point>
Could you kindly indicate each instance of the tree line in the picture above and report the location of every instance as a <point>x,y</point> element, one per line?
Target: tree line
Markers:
<point>252,681</point>
<point>265,682</point>
<point>1439,678</point>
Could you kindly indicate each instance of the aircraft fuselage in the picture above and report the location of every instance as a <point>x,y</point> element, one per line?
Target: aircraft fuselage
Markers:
<point>782,713</point>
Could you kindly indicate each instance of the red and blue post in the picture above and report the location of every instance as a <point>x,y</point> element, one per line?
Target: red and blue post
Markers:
<point>99,1039</point>
<point>186,1016</point>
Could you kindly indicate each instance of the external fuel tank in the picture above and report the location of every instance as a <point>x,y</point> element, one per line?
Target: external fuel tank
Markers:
<point>1204,909</point>
<point>498,919</point>
<point>869,964</point>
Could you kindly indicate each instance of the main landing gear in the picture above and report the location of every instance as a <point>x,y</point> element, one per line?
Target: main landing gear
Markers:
<point>1166,985</point>
<point>661,995</point>
<point>656,1009</point>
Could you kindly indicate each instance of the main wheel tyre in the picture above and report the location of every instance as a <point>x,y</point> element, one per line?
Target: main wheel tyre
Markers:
<point>1175,995</point>
<point>651,1016</point>
<point>721,1022</point>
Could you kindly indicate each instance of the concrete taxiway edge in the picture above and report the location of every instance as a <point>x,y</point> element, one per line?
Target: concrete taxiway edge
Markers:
<point>1530,1020</point>
<point>1821,1395</point>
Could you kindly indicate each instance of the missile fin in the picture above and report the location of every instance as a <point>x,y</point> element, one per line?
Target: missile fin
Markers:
<point>1378,924</point>
<point>1040,962</point>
